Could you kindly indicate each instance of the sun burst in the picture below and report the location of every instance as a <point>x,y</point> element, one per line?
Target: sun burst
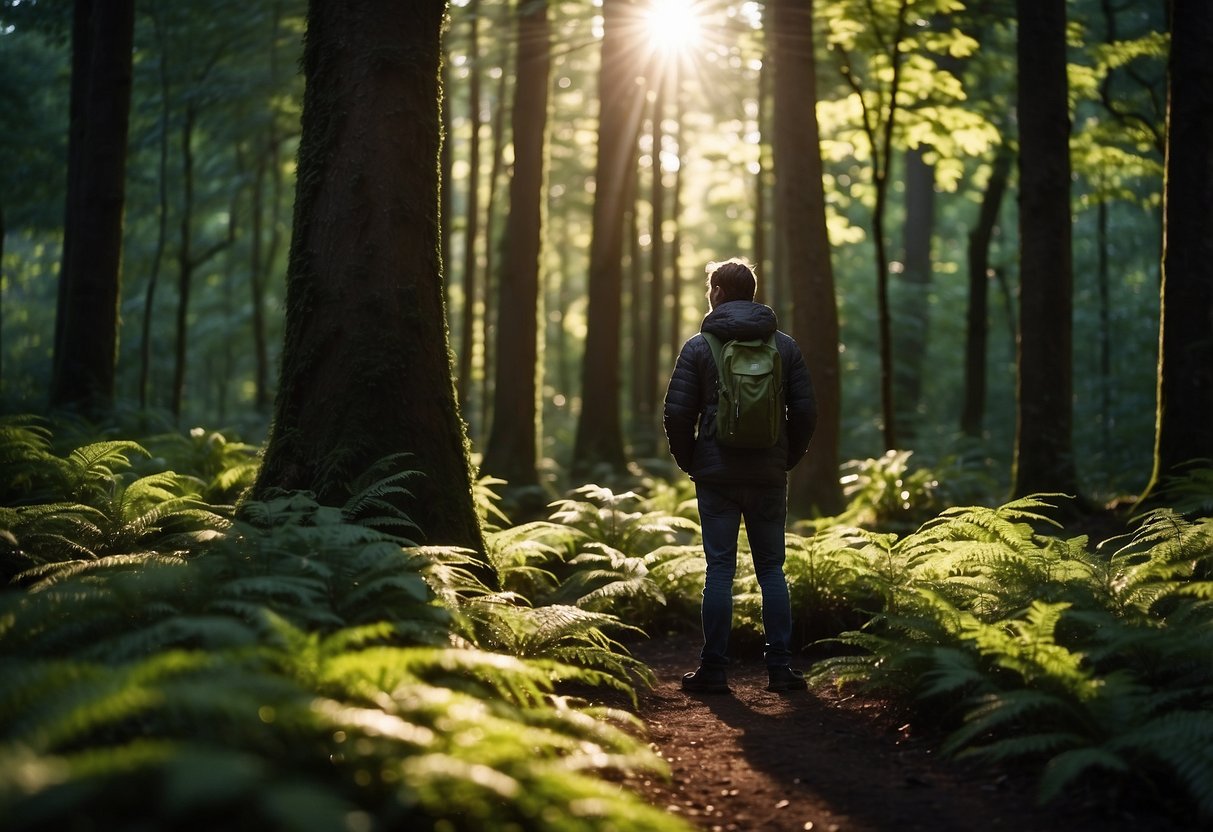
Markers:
<point>673,26</point>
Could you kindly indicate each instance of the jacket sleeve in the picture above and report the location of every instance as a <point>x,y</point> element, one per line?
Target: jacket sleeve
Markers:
<point>802,408</point>
<point>681,411</point>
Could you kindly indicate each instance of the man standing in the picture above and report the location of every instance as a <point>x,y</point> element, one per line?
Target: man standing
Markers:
<point>734,483</point>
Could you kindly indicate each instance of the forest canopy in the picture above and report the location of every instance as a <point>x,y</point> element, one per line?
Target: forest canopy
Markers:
<point>916,104</point>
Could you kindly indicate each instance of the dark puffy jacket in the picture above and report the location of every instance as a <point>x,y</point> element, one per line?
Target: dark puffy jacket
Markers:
<point>690,403</point>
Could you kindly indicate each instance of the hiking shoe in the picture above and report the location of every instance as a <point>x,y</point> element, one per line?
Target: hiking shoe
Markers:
<point>782,677</point>
<point>706,680</point>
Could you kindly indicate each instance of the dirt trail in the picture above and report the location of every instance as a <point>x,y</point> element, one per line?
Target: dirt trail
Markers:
<point>764,761</point>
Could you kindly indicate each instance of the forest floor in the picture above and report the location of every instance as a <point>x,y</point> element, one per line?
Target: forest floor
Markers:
<point>754,761</point>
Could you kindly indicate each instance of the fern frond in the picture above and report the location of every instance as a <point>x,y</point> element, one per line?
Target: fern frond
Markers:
<point>104,459</point>
<point>1064,768</point>
<point>1005,710</point>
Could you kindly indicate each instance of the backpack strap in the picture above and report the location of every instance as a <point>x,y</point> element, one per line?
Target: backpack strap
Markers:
<point>716,346</point>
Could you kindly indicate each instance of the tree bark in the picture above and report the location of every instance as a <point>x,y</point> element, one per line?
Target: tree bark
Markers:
<point>471,233</point>
<point>87,327</point>
<point>977,316</point>
<point>153,278</point>
<point>1184,425</point>
<point>365,372</point>
<point>185,262</point>
<point>513,450</point>
<point>768,289</point>
<point>1044,458</point>
<point>651,381</point>
<point>675,331</point>
<point>599,439</point>
<point>800,217</point>
<point>914,309</point>
<point>488,321</point>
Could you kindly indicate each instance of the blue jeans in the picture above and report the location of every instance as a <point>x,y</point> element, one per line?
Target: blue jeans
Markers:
<point>721,509</point>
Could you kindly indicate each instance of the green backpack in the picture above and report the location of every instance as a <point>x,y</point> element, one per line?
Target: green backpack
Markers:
<point>750,412</point>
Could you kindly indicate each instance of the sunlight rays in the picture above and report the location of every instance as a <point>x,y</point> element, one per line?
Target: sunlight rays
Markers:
<point>673,27</point>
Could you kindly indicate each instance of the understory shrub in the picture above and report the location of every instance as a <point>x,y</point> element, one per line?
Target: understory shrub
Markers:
<point>289,667</point>
<point>1096,664</point>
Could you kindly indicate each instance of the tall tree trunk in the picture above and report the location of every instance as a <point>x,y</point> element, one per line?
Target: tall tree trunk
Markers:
<point>471,235</point>
<point>800,217</point>
<point>365,375</point>
<point>1184,427</point>
<point>650,360</point>
<point>914,309</point>
<point>636,329</point>
<point>599,439</point>
<point>82,46</point>
<point>446,200</point>
<point>675,332</point>
<point>489,318</point>
<point>259,267</point>
<point>263,265</point>
<point>87,329</point>
<point>1044,458</point>
<point>513,450</point>
<point>162,208</point>
<point>977,316</point>
<point>185,262</point>
<point>1104,278</point>
<point>769,289</point>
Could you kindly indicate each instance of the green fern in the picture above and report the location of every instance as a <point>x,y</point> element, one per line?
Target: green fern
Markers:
<point>30,472</point>
<point>225,466</point>
<point>603,576</point>
<point>1190,493</point>
<point>285,709</point>
<point>525,556</point>
<point>619,521</point>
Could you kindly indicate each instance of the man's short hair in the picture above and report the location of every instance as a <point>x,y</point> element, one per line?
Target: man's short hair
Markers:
<point>734,277</point>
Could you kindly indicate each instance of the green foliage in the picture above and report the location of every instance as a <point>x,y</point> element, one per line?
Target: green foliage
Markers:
<point>887,492</point>
<point>226,466</point>
<point>1040,649</point>
<point>1191,493</point>
<point>618,521</point>
<point>301,667</point>
<point>67,515</point>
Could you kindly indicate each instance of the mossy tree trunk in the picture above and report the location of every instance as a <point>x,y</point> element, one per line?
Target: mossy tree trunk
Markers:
<point>1044,457</point>
<point>800,218</point>
<point>1184,427</point>
<point>513,451</point>
<point>366,365</point>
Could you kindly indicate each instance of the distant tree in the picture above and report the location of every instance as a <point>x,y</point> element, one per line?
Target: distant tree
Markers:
<point>1184,429</point>
<point>513,450</point>
<point>976,316</point>
<point>674,333</point>
<point>86,326</point>
<point>471,223</point>
<point>1044,458</point>
<point>912,290</point>
<point>880,108</point>
<point>650,365</point>
<point>365,372</point>
<point>189,260</point>
<point>804,242</point>
<point>599,439</point>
